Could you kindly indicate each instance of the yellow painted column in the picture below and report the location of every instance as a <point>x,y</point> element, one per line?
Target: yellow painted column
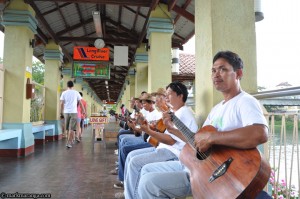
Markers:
<point>141,75</point>
<point>20,27</point>
<point>53,60</point>
<point>222,25</point>
<point>159,32</point>
<point>127,93</point>
<point>132,83</point>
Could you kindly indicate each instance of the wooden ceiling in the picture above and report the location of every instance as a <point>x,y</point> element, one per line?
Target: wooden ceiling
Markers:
<point>124,23</point>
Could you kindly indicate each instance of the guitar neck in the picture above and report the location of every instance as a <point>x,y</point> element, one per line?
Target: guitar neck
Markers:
<point>187,133</point>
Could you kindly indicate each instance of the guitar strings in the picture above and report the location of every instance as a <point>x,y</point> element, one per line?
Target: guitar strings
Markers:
<point>190,137</point>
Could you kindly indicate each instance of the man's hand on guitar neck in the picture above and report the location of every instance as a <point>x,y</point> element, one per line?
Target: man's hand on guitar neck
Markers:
<point>167,120</point>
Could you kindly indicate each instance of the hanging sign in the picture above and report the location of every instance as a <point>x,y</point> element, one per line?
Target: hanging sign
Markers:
<point>91,69</point>
<point>90,53</point>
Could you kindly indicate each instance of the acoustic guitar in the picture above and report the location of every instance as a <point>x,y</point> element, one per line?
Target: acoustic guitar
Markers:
<point>222,172</point>
<point>157,126</point>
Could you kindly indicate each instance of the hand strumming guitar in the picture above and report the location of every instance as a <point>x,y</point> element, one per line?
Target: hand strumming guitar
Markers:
<point>204,138</point>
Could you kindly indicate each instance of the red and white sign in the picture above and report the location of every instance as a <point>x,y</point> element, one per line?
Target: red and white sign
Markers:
<point>98,120</point>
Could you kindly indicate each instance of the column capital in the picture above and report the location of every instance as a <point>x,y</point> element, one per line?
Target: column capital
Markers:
<point>141,57</point>
<point>66,71</point>
<point>19,18</point>
<point>159,25</point>
<point>53,55</point>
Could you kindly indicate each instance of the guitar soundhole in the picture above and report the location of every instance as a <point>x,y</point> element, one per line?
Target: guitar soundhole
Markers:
<point>203,155</point>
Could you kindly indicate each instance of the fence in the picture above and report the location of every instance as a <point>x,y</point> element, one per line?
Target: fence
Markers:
<point>283,155</point>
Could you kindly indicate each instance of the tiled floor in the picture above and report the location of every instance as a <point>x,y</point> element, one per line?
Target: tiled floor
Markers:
<point>79,172</point>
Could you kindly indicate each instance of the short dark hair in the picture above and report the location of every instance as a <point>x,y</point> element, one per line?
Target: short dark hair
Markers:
<point>232,58</point>
<point>70,84</point>
<point>179,89</point>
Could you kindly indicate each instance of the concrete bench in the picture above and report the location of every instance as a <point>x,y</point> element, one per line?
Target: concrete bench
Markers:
<point>10,142</point>
<point>44,132</point>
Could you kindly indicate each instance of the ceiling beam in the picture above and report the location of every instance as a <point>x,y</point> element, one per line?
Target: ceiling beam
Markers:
<point>183,7</point>
<point>135,12</point>
<point>144,3</point>
<point>171,4</point>
<point>74,27</point>
<point>47,26</point>
<point>184,13</point>
<point>92,39</point>
<point>55,9</point>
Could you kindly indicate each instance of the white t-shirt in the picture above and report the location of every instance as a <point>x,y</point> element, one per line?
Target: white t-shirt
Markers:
<point>144,112</point>
<point>153,116</point>
<point>70,98</point>
<point>185,115</point>
<point>240,111</point>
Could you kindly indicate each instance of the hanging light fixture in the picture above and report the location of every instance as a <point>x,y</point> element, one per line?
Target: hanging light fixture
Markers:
<point>99,43</point>
<point>259,15</point>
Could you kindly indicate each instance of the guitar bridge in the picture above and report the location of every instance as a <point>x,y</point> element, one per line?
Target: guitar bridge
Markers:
<point>221,170</point>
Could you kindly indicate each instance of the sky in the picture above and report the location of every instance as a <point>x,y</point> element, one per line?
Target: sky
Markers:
<point>277,41</point>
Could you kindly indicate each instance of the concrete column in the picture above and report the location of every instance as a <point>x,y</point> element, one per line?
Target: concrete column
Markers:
<point>53,60</point>
<point>141,75</point>
<point>222,25</point>
<point>132,85</point>
<point>20,27</point>
<point>127,93</point>
<point>159,32</point>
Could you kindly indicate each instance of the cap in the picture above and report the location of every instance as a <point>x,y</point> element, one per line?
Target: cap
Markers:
<point>160,91</point>
<point>147,96</point>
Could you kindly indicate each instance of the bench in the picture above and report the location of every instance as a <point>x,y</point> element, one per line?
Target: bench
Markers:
<point>10,142</point>
<point>44,132</point>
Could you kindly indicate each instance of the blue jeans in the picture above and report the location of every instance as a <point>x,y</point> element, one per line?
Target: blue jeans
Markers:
<point>134,164</point>
<point>169,180</point>
<point>123,155</point>
<point>122,132</point>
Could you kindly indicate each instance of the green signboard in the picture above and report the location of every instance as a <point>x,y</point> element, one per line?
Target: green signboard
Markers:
<point>91,69</point>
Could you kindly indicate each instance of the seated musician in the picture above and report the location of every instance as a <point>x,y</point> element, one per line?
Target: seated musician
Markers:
<point>136,141</point>
<point>126,149</point>
<point>137,106</point>
<point>240,125</point>
<point>169,145</point>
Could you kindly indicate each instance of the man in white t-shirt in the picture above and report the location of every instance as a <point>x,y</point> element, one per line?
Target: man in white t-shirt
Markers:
<point>239,123</point>
<point>68,104</point>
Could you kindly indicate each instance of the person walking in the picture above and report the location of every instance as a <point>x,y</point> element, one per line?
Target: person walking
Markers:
<point>68,104</point>
<point>80,118</point>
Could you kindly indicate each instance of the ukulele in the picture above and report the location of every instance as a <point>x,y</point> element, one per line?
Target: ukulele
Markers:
<point>222,172</point>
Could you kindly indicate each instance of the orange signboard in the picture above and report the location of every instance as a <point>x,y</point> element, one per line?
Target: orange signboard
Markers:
<point>90,53</point>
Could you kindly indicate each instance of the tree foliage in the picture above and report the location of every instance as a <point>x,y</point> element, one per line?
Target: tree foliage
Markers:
<point>38,71</point>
